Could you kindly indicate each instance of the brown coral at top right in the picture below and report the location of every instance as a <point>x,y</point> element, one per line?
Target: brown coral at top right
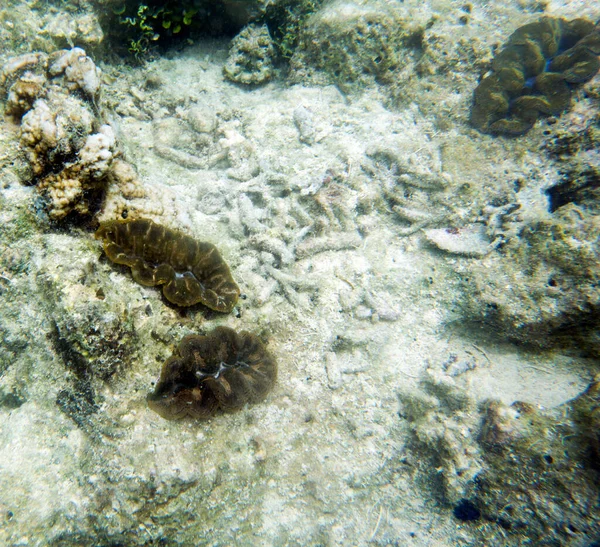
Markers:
<point>534,74</point>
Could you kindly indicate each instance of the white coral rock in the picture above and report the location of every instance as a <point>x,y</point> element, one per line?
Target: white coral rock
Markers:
<point>79,70</point>
<point>97,153</point>
<point>38,134</point>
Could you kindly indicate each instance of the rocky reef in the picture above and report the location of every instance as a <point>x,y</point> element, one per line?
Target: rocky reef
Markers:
<point>516,472</point>
<point>534,72</point>
<point>364,220</point>
<point>188,271</point>
<point>548,254</point>
<point>442,421</point>
<point>550,297</point>
<point>223,370</point>
<point>355,44</point>
<point>26,29</point>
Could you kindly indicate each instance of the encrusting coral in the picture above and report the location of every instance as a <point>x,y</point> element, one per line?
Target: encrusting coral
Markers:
<point>223,370</point>
<point>189,271</point>
<point>534,73</point>
<point>251,56</point>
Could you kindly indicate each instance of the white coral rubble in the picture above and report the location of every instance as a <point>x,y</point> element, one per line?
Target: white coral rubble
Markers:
<point>79,70</point>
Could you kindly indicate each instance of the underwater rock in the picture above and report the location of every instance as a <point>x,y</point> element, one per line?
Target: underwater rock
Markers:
<point>189,271</point>
<point>71,27</point>
<point>79,406</point>
<point>223,370</point>
<point>24,79</point>
<point>575,137</point>
<point>23,93</point>
<point>586,416</point>
<point>303,120</point>
<point>580,185</point>
<point>534,73</point>
<point>52,131</point>
<point>68,68</point>
<point>251,56</point>
<point>23,66</point>
<point>243,11</point>
<point>542,286</point>
<point>125,194</point>
<point>541,475</point>
<point>531,473</point>
<point>80,184</point>
<point>443,421</point>
<point>92,338</point>
<point>78,70</point>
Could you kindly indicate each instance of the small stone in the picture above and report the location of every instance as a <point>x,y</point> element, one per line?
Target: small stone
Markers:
<point>467,241</point>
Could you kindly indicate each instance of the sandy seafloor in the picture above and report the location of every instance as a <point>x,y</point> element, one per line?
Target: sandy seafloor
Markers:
<point>353,325</point>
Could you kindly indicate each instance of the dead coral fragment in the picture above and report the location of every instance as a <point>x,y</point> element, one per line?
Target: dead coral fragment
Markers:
<point>222,370</point>
<point>190,271</point>
<point>79,71</point>
<point>534,72</point>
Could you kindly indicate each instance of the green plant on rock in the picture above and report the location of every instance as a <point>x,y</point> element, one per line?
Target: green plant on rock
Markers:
<point>149,23</point>
<point>286,21</point>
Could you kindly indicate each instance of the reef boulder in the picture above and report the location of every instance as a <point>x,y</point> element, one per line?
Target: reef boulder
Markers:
<point>251,56</point>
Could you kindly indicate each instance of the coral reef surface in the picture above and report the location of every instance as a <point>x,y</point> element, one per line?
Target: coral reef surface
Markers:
<point>354,43</point>
<point>519,473</point>
<point>67,150</point>
<point>358,225</point>
<point>251,56</point>
<point>548,291</point>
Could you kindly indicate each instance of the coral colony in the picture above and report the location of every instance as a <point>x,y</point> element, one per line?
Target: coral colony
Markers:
<point>223,370</point>
<point>534,73</point>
